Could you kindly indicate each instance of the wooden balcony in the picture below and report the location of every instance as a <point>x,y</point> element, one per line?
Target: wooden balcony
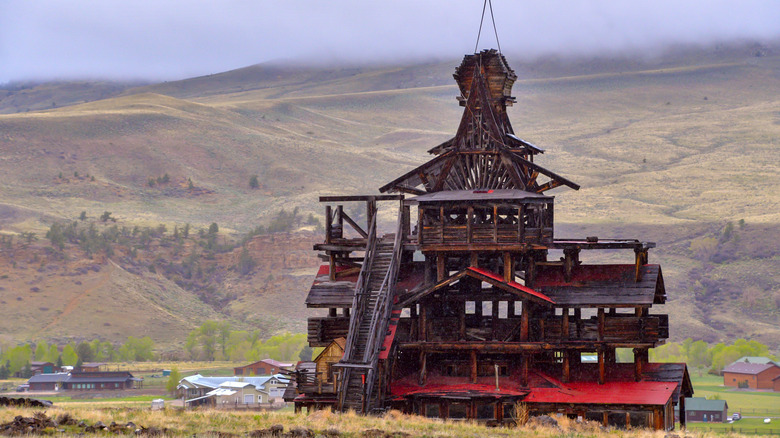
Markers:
<point>618,329</point>
<point>485,226</point>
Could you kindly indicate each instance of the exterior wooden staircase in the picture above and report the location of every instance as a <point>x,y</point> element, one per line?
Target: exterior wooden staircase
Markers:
<point>371,309</point>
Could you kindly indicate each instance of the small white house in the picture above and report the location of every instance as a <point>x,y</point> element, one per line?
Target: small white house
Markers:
<point>198,390</point>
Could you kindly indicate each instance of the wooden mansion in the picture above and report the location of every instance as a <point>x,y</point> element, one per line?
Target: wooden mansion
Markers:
<point>473,307</point>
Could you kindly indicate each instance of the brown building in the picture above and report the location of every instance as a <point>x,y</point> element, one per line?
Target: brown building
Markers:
<point>43,368</point>
<point>84,381</point>
<point>776,384</point>
<point>47,382</point>
<point>265,367</point>
<point>93,367</point>
<point>100,381</point>
<point>472,304</point>
<point>751,375</point>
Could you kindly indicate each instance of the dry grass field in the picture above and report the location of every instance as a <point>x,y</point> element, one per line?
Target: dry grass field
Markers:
<point>323,423</point>
<point>667,150</point>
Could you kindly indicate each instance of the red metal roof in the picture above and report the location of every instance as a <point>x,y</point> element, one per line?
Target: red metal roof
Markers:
<point>388,342</point>
<point>512,284</point>
<point>450,386</point>
<point>324,272</point>
<point>628,393</point>
<point>620,387</point>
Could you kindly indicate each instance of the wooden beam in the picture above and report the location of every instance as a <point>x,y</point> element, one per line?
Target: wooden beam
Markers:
<point>508,271</point>
<point>658,419</point>
<point>361,198</point>
<point>441,273</point>
<point>602,367</point>
<point>601,321</point>
<point>524,322</point>
<point>328,223</point>
<point>423,367</point>
<point>566,367</point>
<point>565,324</point>
<point>473,357</point>
<point>354,225</point>
<point>420,211</point>
<point>423,330</point>
<point>469,221</point>
<point>462,323</point>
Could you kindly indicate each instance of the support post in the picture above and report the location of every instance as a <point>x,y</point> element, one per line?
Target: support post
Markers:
<point>524,322</point>
<point>508,271</point>
<point>328,223</point>
<point>441,273</point>
<point>473,366</point>
<point>601,323</point>
<point>423,329</point>
<point>469,222</point>
<point>420,224</point>
<point>423,367</point>
<point>602,367</point>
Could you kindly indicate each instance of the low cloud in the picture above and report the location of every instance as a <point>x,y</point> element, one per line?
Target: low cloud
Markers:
<point>50,39</point>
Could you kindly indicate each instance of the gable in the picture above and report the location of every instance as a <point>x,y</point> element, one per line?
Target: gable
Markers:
<point>522,292</point>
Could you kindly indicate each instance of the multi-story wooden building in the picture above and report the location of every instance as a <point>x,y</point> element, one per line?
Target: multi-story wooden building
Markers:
<point>473,305</point>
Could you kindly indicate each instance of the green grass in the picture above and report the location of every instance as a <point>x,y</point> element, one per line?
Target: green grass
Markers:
<point>745,426</point>
<point>748,402</point>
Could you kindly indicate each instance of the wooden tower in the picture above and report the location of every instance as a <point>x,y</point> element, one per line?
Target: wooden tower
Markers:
<point>463,311</point>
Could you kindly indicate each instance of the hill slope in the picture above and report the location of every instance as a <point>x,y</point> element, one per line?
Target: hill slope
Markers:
<point>668,150</point>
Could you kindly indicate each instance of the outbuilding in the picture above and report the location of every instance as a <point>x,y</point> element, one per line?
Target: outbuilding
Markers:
<point>750,375</point>
<point>265,367</point>
<point>701,409</point>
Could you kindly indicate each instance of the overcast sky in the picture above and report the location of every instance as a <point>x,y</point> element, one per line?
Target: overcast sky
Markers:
<point>173,39</point>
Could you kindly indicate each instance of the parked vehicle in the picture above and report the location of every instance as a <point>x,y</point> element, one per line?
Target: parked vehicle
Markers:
<point>736,416</point>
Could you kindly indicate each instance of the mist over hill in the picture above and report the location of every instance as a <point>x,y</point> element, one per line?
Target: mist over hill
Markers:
<point>681,149</point>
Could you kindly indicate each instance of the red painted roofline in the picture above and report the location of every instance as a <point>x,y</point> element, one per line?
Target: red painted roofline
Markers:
<point>512,284</point>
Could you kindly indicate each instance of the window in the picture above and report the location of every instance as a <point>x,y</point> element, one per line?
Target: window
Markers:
<point>432,410</point>
<point>503,309</point>
<point>458,411</point>
<point>486,411</point>
<point>509,410</point>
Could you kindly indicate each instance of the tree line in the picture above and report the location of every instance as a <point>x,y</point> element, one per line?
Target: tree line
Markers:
<point>699,354</point>
<point>215,340</point>
<point>18,359</point>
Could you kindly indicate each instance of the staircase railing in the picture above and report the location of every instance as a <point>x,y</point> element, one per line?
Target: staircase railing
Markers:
<point>382,309</point>
<point>359,301</point>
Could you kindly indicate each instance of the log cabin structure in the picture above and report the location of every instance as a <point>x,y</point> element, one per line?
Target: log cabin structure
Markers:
<point>473,306</point>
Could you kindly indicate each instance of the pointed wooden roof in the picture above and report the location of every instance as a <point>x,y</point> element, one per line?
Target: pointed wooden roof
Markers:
<point>485,153</point>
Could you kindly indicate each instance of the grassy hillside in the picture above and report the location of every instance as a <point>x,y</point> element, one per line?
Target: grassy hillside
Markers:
<point>667,150</point>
